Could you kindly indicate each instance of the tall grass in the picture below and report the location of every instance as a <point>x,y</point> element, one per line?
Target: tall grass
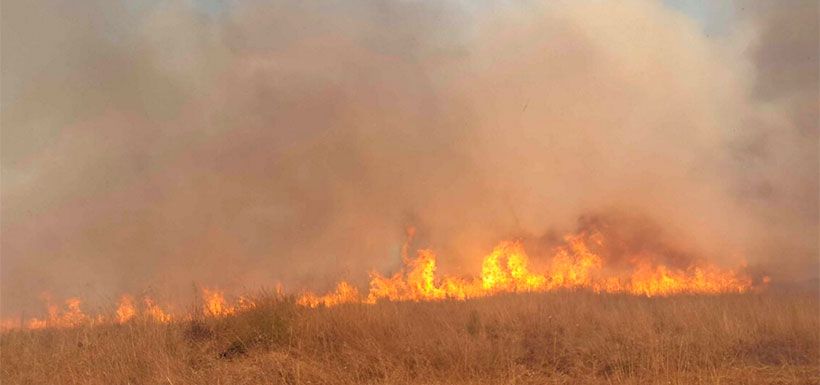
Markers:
<point>553,338</point>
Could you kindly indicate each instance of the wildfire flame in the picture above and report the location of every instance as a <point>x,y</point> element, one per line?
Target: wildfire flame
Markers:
<point>215,304</point>
<point>506,269</point>
<point>71,315</point>
<point>125,309</point>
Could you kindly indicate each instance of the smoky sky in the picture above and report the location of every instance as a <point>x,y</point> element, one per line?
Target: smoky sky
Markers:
<point>156,146</point>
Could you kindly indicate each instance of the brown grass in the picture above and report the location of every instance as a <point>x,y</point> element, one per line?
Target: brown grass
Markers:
<point>555,338</point>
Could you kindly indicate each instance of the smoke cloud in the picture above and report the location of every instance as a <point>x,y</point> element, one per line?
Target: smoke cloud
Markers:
<point>152,146</point>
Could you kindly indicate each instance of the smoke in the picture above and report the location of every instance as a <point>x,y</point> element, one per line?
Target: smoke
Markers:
<point>152,146</point>
<point>776,158</point>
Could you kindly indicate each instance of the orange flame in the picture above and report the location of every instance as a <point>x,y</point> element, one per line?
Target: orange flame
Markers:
<point>506,270</point>
<point>70,316</point>
<point>154,312</point>
<point>125,309</point>
<point>214,303</point>
<point>344,293</point>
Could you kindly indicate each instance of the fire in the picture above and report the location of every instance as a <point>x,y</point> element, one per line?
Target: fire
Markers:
<point>344,293</point>
<point>575,264</point>
<point>215,304</point>
<point>125,310</point>
<point>506,269</point>
<point>154,312</point>
<point>71,315</point>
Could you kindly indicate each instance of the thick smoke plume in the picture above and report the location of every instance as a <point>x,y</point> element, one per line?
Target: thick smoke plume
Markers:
<point>152,146</point>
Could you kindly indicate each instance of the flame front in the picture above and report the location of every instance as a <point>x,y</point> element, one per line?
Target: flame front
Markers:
<point>506,270</point>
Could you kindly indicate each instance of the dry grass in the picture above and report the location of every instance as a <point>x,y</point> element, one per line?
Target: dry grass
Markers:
<point>556,338</point>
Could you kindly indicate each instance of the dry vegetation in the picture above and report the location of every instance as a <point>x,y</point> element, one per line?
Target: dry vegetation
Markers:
<point>561,338</point>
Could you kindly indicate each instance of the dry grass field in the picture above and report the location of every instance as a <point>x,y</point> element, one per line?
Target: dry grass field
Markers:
<point>552,338</point>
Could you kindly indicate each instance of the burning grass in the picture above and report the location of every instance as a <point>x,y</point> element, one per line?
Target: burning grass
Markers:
<point>584,261</point>
<point>556,337</point>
